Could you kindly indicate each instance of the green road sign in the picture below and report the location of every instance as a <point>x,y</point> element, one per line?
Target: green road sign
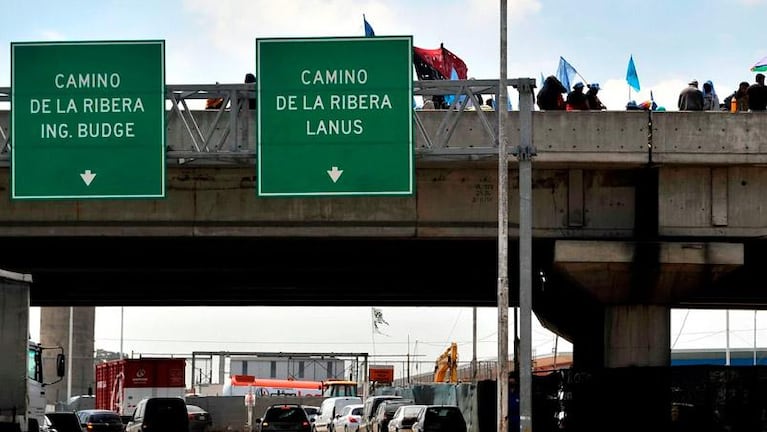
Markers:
<point>88,120</point>
<point>335,116</point>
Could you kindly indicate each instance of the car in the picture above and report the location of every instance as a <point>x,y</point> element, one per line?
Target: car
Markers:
<point>404,418</point>
<point>371,407</point>
<point>440,418</point>
<point>385,413</point>
<point>284,418</point>
<point>330,409</point>
<point>199,419</point>
<point>159,414</point>
<point>349,419</point>
<point>61,422</point>
<point>99,420</point>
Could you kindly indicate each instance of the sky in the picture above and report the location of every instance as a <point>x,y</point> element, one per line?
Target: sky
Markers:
<point>672,42</point>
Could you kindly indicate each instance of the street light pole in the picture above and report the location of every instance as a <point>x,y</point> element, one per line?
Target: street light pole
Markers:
<point>122,316</point>
<point>69,352</point>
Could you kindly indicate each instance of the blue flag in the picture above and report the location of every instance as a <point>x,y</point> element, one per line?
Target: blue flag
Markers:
<point>453,76</point>
<point>368,29</point>
<point>565,73</point>
<point>631,75</point>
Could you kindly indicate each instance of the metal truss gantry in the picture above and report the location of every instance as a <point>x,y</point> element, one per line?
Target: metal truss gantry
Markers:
<point>226,135</point>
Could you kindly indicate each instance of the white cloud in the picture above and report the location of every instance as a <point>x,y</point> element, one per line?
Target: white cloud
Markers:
<point>231,26</point>
<point>52,35</point>
<point>615,93</point>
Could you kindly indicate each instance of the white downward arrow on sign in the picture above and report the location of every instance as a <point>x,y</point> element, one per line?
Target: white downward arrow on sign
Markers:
<point>88,177</point>
<point>335,173</point>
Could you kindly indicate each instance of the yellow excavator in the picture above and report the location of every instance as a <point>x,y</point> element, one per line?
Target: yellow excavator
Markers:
<point>446,366</point>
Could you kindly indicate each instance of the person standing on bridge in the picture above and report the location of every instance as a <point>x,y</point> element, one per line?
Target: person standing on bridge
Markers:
<point>251,79</point>
<point>757,94</point>
<point>576,99</point>
<point>741,98</point>
<point>691,99</point>
<point>710,99</point>
<point>593,99</point>
<point>550,95</point>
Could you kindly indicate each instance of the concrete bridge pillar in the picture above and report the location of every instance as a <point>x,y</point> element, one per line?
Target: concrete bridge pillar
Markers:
<point>54,331</point>
<point>637,335</point>
<point>617,302</point>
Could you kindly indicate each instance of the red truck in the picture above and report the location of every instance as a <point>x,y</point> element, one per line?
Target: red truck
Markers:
<point>121,384</point>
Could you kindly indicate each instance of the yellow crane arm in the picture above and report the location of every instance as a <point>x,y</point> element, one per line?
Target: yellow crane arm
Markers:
<point>446,366</point>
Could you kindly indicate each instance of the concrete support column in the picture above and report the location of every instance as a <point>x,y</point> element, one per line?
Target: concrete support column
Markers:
<point>54,331</point>
<point>637,335</point>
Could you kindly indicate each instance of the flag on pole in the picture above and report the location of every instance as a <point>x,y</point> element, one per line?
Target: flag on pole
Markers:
<point>378,320</point>
<point>565,73</point>
<point>631,74</point>
<point>453,76</point>
<point>368,29</point>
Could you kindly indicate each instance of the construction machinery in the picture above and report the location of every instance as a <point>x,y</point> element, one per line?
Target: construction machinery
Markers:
<point>446,366</point>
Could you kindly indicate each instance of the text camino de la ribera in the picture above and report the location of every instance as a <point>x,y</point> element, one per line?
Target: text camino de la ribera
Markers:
<point>87,105</point>
<point>334,102</point>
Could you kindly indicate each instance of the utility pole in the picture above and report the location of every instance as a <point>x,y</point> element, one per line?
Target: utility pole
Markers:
<point>525,153</point>
<point>502,379</point>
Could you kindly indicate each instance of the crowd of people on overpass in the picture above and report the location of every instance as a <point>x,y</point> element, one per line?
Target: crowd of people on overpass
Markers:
<point>751,98</point>
<point>747,97</point>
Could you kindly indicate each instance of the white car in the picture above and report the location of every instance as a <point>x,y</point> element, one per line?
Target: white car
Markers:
<point>349,419</point>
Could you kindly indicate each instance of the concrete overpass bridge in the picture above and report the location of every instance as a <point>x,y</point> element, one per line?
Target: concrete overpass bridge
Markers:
<point>633,213</point>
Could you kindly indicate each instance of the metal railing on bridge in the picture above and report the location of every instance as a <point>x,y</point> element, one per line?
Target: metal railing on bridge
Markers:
<point>226,134</point>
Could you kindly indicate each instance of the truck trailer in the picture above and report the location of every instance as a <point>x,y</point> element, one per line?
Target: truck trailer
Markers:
<point>121,384</point>
<point>22,385</point>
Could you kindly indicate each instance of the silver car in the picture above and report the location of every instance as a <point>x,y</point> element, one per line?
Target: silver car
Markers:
<point>349,419</point>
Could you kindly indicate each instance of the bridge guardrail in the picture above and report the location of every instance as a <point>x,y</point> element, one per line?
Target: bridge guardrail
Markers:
<point>227,135</point>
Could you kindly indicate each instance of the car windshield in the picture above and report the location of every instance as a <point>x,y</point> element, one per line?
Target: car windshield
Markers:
<point>285,414</point>
<point>64,422</point>
<point>411,411</point>
<point>443,416</point>
<point>104,418</point>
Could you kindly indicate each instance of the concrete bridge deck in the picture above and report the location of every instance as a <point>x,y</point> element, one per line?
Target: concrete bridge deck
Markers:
<point>633,213</point>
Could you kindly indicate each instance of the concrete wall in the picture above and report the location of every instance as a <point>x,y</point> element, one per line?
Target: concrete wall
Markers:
<point>230,414</point>
<point>54,331</point>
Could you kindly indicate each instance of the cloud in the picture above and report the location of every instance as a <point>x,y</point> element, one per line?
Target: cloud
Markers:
<point>614,93</point>
<point>52,35</point>
<point>231,27</point>
<point>753,2</point>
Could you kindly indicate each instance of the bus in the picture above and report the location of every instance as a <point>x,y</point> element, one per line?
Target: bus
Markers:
<point>240,385</point>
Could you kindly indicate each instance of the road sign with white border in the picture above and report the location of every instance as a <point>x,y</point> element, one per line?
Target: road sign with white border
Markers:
<point>88,119</point>
<point>335,116</point>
